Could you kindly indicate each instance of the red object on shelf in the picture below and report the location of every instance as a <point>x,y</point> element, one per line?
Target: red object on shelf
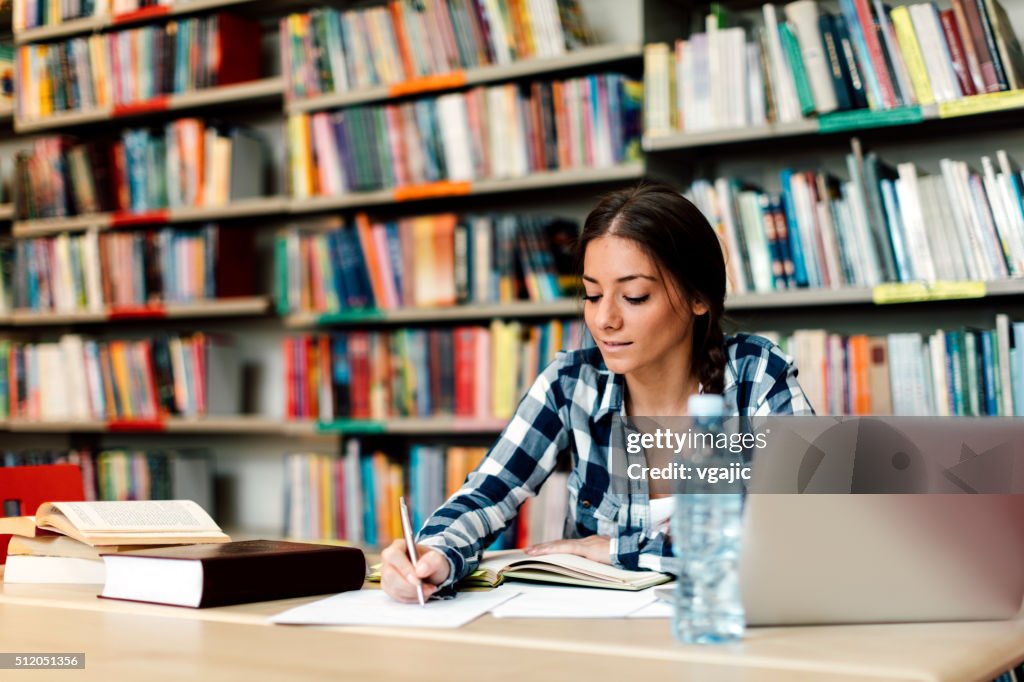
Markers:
<point>135,425</point>
<point>33,485</point>
<point>128,219</point>
<point>150,12</point>
<point>159,103</point>
<point>142,312</point>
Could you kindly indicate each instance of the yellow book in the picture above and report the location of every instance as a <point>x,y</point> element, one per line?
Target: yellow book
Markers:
<point>504,367</point>
<point>425,287</point>
<point>122,382</point>
<point>327,498</point>
<point>907,39</point>
<point>45,86</point>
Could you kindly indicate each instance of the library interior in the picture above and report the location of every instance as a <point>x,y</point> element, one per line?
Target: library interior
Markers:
<point>306,339</point>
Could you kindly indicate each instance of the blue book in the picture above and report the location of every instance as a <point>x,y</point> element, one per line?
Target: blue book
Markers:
<point>990,376</point>
<point>837,63</point>
<point>795,247</point>
<point>1017,366</point>
<point>395,254</point>
<point>369,502</point>
<point>904,262</point>
<point>860,48</point>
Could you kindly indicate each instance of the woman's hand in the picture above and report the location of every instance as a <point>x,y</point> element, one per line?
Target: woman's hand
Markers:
<point>399,579</point>
<point>594,547</point>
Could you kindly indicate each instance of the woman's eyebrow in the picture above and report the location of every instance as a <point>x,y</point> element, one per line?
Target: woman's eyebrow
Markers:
<point>626,278</point>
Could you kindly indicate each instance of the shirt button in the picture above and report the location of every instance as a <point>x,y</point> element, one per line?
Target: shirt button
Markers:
<point>586,504</point>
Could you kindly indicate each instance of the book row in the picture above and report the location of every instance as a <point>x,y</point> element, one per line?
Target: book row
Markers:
<point>92,272</point>
<point>468,371</point>
<point>76,378</point>
<point>950,372</point>
<point>326,51</point>
<point>187,162</point>
<point>136,65</point>
<point>867,56</point>
<point>505,131</point>
<point>118,474</point>
<point>884,224</point>
<point>34,13</point>
<point>432,260</point>
<point>355,497</point>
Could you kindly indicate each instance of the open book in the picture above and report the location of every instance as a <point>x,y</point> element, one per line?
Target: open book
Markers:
<point>165,522</point>
<point>567,569</point>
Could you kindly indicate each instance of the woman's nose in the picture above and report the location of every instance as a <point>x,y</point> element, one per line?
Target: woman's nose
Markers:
<point>608,316</point>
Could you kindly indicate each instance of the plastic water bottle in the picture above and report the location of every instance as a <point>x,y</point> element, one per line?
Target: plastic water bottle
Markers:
<point>707,524</point>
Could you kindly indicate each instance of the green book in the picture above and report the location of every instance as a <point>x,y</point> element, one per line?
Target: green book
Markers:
<point>281,260</point>
<point>796,62</point>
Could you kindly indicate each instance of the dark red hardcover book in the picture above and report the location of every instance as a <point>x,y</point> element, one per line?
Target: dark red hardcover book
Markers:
<point>227,573</point>
<point>237,49</point>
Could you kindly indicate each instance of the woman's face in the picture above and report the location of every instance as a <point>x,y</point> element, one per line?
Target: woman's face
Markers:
<point>640,321</point>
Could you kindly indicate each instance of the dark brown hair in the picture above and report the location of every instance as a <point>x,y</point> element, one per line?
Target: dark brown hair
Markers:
<point>678,239</point>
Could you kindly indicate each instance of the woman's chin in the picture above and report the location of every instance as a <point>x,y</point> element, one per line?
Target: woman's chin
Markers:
<point>616,364</point>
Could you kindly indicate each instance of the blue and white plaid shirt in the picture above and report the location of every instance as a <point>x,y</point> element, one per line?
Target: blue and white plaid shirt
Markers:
<point>570,409</point>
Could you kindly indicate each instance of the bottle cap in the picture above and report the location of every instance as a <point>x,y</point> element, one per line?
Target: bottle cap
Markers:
<point>706,405</point>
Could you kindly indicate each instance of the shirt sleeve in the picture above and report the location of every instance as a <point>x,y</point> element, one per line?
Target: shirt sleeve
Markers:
<point>512,472</point>
<point>642,550</point>
<point>785,396</point>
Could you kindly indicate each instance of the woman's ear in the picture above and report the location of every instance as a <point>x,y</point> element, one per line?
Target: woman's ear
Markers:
<point>699,308</point>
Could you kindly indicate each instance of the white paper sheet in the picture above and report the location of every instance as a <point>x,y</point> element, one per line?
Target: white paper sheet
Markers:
<point>373,607</point>
<point>548,601</point>
<point>657,609</point>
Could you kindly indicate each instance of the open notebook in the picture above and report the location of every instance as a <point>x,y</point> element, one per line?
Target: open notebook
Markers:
<point>566,569</point>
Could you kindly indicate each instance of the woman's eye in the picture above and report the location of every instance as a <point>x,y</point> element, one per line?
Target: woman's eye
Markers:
<point>592,299</point>
<point>637,300</point>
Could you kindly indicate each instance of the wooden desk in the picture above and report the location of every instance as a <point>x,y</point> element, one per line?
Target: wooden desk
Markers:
<point>122,640</point>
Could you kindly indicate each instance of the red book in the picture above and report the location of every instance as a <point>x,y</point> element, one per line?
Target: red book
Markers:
<point>27,487</point>
<point>957,53</point>
<point>359,354</point>
<point>870,30</point>
<point>465,366</point>
<point>236,49</point>
<point>287,349</point>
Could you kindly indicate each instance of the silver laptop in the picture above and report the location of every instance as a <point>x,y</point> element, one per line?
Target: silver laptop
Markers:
<point>882,558</point>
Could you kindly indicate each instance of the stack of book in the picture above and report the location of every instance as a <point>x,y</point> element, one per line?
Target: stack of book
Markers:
<point>188,162</point>
<point>191,375</point>
<point>328,51</point>
<point>884,224</point>
<point>498,132</point>
<point>867,56</point>
<point>434,260</point>
<point>136,65</point>
<point>96,271</point>
<point>62,543</point>
<point>355,497</point>
<point>950,372</point>
<point>468,371</point>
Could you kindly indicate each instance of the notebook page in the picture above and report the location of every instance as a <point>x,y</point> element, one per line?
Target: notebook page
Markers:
<point>547,601</point>
<point>374,607</point>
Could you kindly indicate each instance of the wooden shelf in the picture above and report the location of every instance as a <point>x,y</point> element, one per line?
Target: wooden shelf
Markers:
<point>241,208</point>
<point>225,307</point>
<point>534,181</point>
<point>415,426</point>
<point>213,425</point>
<point>75,27</point>
<point>841,122</point>
<point>478,311</point>
<point>596,55</point>
<point>572,307</point>
<point>266,89</point>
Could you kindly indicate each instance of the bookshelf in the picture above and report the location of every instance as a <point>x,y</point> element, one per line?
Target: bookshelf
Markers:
<point>241,209</point>
<point>85,25</point>
<point>248,306</point>
<point>263,92</point>
<point>593,57</point>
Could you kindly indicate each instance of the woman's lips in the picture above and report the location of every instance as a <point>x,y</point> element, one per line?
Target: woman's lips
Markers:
<point>615,346</point>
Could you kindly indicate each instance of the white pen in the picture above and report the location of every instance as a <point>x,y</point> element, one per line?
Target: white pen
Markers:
<point>407,530</point>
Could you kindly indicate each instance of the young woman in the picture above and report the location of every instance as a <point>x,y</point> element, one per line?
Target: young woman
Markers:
<point>654,275</point>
